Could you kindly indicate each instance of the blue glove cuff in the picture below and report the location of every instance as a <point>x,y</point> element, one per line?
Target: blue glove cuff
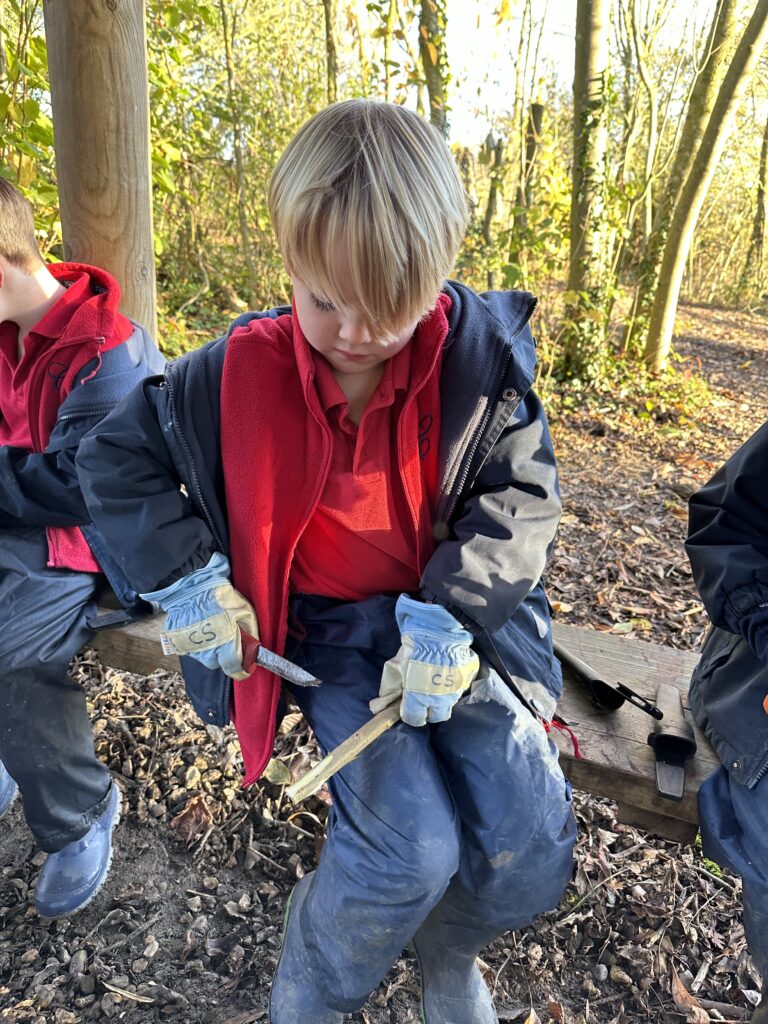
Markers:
<point>437,634</point>
<point>432,618</point>
<point>213,574</point>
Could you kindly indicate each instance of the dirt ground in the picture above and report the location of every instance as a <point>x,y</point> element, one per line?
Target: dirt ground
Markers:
<point>187,927</point>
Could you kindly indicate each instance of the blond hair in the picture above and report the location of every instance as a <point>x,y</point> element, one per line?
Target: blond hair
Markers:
<point>379,180</point>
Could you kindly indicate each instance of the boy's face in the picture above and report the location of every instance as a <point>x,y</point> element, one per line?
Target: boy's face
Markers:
<point>341,334</point>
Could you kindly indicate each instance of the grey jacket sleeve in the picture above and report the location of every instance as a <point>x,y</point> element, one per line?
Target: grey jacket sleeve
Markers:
<point>505,528</point>
<point>728,536</point>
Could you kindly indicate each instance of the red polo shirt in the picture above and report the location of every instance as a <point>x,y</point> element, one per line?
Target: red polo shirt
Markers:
<point>15,373</point>
<point>363,538</point>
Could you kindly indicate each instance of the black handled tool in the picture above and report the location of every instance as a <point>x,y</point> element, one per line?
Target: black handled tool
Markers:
<point>673,743</point>
<point>606,696</point>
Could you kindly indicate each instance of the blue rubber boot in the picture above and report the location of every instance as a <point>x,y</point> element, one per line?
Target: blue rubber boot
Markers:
<point>8,790</point>
<point>294,998</point>
<point>71,877</point>
<point>452,988</point>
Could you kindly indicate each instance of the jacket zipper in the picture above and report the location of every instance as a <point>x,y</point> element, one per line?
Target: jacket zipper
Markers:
<point>193,477</point>
<point>41,370</point>
<point>456,491</point>
<point>97,411</point>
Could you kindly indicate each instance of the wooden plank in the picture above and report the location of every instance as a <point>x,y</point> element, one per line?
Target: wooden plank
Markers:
<point>660,824</point>
<point>135,647</point>
<point>617,762</point>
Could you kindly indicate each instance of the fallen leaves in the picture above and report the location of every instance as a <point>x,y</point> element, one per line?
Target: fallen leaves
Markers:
<point>194,820</point>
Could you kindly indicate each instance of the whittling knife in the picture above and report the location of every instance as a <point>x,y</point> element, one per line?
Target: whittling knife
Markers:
<point>256,654</point>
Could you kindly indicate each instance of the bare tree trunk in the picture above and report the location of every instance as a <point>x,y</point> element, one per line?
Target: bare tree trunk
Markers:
<point>523,193</point>
<point>532,140</point>
<point>434,62</point>
<point>694,192</point>
<point>331,60</point>
<point>421,92</point>
<point>237,134</point>
<point>590,136</point>
<point>496,145</point>
<point>712,66</point>
<point>389,28</point>
<point>753,274</point>
<point>653,117</point>
<point>466,162</point>
<point>365,63</point>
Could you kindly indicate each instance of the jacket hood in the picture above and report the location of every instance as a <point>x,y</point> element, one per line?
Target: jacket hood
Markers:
<point>98,317</point>
<point>492,316</point>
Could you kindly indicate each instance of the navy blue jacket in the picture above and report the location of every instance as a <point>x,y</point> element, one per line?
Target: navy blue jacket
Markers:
<point>42,489</point>
<point>728,548</point>
<point>152,477</point>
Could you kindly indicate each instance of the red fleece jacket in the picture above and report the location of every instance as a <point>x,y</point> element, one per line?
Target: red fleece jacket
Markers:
<point>276,450</point>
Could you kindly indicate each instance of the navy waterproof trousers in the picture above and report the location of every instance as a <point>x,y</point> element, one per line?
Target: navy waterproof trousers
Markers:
<point>474,812</point>
<point>734,833</point>
<point>45,733</point>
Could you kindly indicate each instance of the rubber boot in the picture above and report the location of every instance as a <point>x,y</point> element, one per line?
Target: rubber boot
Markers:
<point>294,998</point>
<point>452,987</point>
<point>71,877</point>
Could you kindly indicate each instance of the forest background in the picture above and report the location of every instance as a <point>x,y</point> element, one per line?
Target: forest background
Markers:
<point>614,154</point>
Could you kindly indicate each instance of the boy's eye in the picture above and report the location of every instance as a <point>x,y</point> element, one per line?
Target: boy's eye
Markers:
<point>322,304</point>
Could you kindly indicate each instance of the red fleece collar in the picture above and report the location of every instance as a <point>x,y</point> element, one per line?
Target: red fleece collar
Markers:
<point>407,369</point>
<point>97,316</point>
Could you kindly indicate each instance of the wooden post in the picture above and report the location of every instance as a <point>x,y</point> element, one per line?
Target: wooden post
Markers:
<point>97,60</point>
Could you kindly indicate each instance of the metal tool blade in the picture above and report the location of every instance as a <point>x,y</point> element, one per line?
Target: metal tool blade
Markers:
<point>254,653</point>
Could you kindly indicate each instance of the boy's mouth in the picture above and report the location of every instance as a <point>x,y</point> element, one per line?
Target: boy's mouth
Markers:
<point>354,357</point>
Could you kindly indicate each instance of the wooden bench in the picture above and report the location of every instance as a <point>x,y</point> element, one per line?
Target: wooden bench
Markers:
<point>616,760</point>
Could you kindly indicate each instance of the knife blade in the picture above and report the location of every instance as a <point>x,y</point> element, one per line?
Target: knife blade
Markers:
<point>256,654</point>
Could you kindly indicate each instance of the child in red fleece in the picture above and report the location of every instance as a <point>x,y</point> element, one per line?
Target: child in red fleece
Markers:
<point>67,356</point>
<point>372,467</point>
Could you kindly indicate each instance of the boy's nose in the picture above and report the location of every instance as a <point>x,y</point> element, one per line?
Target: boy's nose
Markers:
<point>354,331</point>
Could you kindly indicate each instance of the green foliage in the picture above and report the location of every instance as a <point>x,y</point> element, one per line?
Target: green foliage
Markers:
<point>672,401</point>
<point>26,130</point>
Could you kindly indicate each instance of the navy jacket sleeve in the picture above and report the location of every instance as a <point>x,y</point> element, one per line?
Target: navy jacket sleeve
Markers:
<point>728,536</point>
<point>42,489</point>
<point>39,490</point>
<point>131,472</point>
<point>505,528</point>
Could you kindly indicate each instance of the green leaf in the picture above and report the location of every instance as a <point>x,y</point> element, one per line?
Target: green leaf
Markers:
<point>278,772</point>
<point>163,180</point>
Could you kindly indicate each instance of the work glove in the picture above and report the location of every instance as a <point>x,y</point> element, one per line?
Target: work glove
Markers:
<point>434,666</point>
<point>204,617</point>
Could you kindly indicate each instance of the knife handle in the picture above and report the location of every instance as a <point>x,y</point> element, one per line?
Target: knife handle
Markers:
<point>250,651</point>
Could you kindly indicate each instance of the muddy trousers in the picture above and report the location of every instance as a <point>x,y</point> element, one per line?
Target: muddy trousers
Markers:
<point>734,833</point>
<point>473,814</point>
<point>45,734</point>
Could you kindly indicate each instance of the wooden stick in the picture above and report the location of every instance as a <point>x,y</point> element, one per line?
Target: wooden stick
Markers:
<point>344,753</point>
